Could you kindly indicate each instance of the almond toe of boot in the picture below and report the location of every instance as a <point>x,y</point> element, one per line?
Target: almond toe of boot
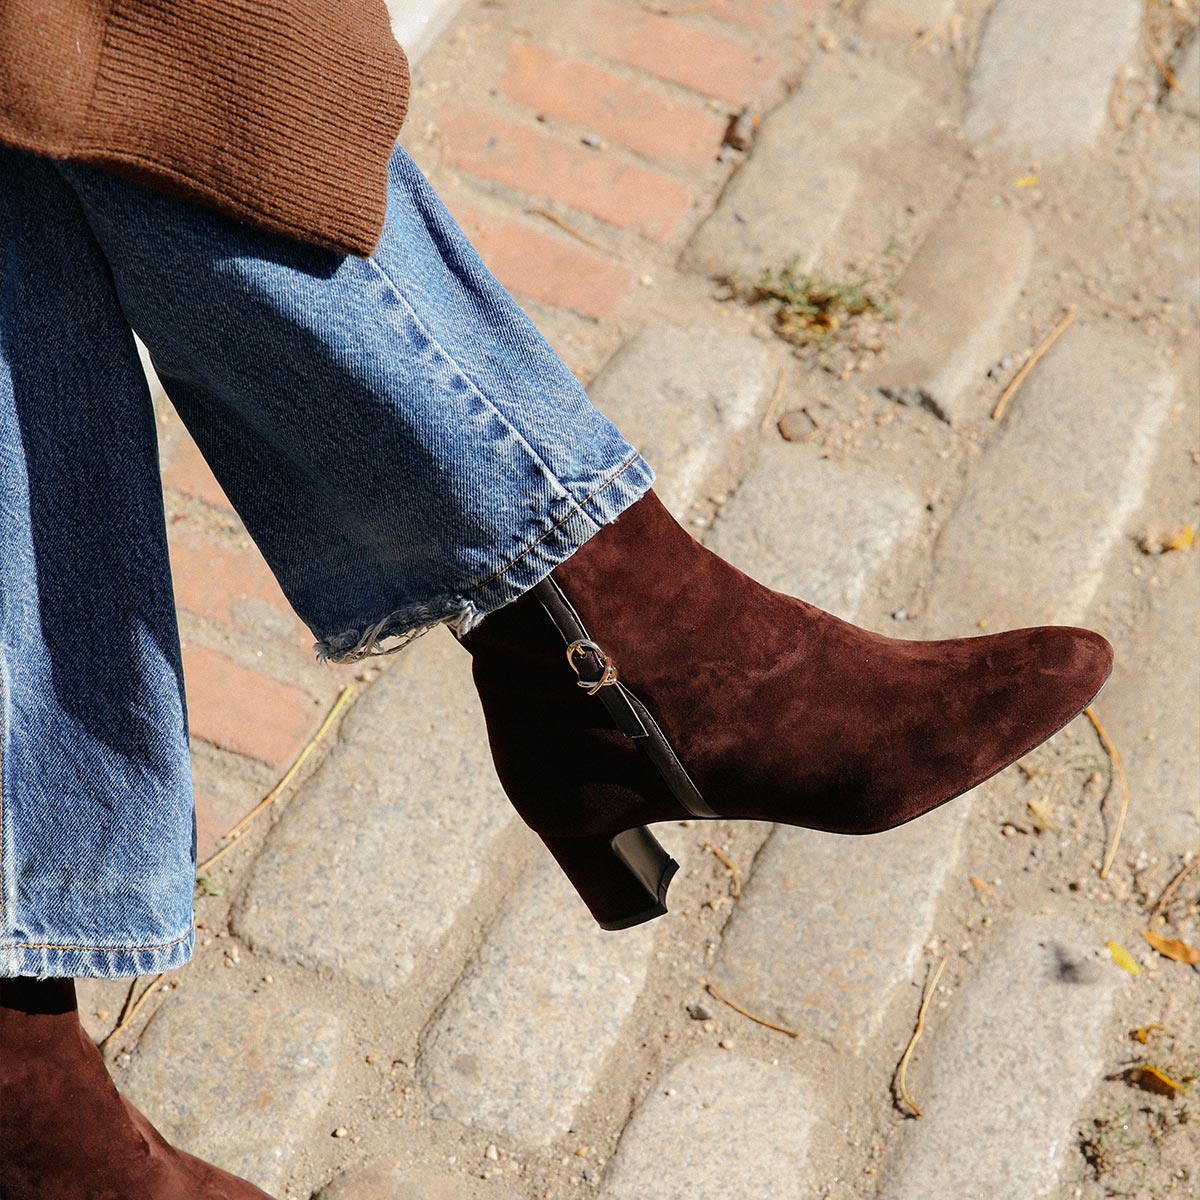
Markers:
<point>1020,688</point>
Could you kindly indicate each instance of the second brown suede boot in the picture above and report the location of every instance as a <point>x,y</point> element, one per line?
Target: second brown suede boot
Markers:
<point>65,1132</point>
<point>646,679</point>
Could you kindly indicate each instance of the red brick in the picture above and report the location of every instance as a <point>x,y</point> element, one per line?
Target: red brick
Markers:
<point>211,580</point>
<point>546,266</point>
<point>187,472</point>
<point>242,711</point>
<point>640,117</point>
<point>672,49</point>
<point>622,193</point>
<point>756,14</point>
<point>217,813</point>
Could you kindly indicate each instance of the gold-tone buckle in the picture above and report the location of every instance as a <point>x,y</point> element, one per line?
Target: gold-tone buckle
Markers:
<point>609,673</point>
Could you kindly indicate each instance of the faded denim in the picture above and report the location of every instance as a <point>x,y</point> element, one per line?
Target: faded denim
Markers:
<point>401,442</point>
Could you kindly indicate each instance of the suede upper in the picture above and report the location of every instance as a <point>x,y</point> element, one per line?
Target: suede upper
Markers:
<point>778,711</point>
<point>65,1132</point>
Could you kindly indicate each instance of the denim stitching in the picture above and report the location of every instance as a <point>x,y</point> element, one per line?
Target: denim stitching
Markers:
<point>534,456</point>
<point>101,949</point>
<point>587,499</point>
<point>355,644</point>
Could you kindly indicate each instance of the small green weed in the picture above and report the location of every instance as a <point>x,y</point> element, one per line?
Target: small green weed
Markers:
<point>210,885</point>
<point>810,309</point>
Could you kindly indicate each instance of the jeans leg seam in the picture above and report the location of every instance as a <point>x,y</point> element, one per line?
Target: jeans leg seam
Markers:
<point>475,388</point>
<point>558,524</point>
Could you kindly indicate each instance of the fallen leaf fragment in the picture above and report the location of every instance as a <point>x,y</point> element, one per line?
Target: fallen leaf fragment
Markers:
<point>1043,817</point>
<point>1025,181</point>
<point>1123,958</point>
<point>1153,542</point>
<point>981,885</point>
<point>1181,539</point>
<point>1142,1032</point>
<point>1173,948</point>
<point>1151,1079</point>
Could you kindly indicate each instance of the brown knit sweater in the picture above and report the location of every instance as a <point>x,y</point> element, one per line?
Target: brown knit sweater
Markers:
<point>282,113</point>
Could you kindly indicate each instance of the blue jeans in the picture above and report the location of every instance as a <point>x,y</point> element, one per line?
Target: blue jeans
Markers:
<point>402,444</point>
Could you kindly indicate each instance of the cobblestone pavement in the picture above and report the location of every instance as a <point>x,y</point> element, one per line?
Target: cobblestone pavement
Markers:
<point>396,994</point>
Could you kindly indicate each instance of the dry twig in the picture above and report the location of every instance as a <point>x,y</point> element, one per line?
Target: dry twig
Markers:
<point>1169,890</point>
<point>130,1012</point>
<point>568,227</point>
<point>1106,742</point>
<point>737,875</point>
<point>714,991</point>
<point>235,834</point>
<point>1167,74</point>
<point>774,405</point>
<point>1019,377</point>
<point>912,1041</point>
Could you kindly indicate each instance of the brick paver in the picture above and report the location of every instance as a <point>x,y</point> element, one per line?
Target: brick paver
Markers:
<point>710,63</point>
<point>624,194</point>
<point>643,118</point>
<point>244,711</point>
<point>547,266</point>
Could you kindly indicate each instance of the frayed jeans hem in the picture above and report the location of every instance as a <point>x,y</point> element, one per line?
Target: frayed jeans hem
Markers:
<point>464,610</point>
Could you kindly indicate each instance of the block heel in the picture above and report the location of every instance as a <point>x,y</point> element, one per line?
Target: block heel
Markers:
<point>622,878</point>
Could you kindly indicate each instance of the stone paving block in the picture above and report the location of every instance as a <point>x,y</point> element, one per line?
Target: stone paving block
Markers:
<point>683,398</point>
<point>1003,1076</point>
<point>955,295</point>
<point>719,1125</point>
<point>1151,709</point>
<point>1043,72</point>
<point>372,861</point>
<point>236,1079</point>
<point>828,926</point>
<point>521,1039</point>
<point>789,196</point>
<point>906,18</point>
<point>414,1183</point>
<point>1028,541</point>
<point>814,528</point>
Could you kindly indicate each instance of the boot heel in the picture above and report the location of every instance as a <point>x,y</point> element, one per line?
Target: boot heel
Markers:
<point>622,878</point>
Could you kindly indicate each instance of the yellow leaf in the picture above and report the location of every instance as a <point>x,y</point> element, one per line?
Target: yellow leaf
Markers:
<point>1142,1032</point>
<point>1151,1079</point>
<point>1173,948</point>
<point>1123,958</point>
<point>1025,181</point>
<point>1180,540</point>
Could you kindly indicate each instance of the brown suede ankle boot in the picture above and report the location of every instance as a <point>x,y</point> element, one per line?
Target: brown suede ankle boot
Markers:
<point>646,679</point>
<point>65,1132</point>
